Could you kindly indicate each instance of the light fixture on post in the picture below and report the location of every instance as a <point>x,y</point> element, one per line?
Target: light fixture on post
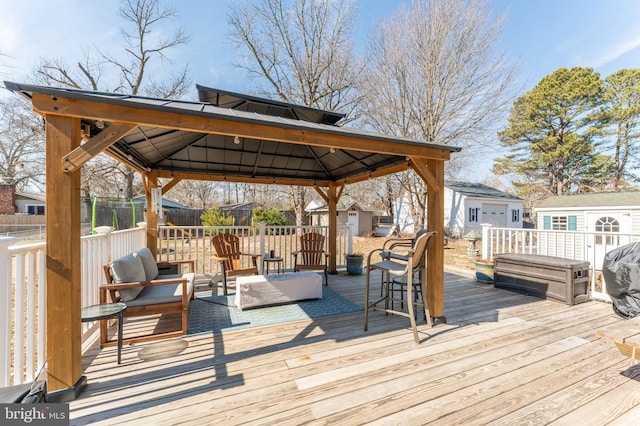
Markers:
<point>236,140</point>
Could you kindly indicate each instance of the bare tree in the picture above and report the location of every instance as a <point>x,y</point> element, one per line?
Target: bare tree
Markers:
<point>434,75</point>
<point>21,144</point>
<point>144,41</point>
<point>301,52</point>
<point>195,193</point>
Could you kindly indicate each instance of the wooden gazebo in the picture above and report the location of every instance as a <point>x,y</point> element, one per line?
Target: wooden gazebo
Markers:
<point>224,137</point>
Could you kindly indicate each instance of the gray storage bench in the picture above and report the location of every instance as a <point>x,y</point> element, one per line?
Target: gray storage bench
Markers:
<point>555,278</point>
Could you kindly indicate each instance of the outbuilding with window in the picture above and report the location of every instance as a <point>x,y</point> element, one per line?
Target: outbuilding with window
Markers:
<point>469,205</point>
<point>595,215</point>
<point>592,212</point>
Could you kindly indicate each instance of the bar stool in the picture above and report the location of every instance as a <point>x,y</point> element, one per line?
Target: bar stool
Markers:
<point>388,250</point>
<point>415,265</point>
<point>399,284</point>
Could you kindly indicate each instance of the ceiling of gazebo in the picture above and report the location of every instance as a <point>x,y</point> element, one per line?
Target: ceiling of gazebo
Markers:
<point>228,136</point>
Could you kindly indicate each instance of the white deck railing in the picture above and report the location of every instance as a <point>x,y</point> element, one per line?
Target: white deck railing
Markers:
<point>193,242</point>
<point>575,245</point>
<point>23,302</point>
<point>22,279</point>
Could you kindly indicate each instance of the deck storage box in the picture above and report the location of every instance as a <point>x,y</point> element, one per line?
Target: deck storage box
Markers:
<point>556,278</point>
<point>264,290</point>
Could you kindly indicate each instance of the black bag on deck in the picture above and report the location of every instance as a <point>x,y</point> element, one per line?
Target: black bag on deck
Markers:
<point>28,393</point>
<point>621,271</point>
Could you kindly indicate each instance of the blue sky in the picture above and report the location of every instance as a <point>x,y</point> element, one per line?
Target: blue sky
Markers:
<point>541,35</point>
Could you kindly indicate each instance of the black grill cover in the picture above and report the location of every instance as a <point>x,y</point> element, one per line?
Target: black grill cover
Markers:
<point>621,270</point>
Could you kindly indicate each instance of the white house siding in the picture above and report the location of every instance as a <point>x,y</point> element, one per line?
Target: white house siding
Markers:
<point>454,214</point>
<point>483,204</point>
<point>635,221</point>
<point>22,204</point>
<point>457,220</point>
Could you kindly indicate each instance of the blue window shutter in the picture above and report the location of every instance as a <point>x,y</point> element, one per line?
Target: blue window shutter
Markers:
<point>572,223</point>
<point>546,222</point>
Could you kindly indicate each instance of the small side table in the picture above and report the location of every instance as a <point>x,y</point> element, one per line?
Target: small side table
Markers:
<point>277,260</point>
<point>104,312</point>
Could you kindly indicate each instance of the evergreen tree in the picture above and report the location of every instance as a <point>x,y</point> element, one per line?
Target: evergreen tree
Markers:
<point>621,123</point>
<point>550,134</point>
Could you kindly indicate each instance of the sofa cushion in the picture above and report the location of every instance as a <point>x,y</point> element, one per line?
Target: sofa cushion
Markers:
<point>158,294</point>
<point>149,263</point>
<point>128,269</point>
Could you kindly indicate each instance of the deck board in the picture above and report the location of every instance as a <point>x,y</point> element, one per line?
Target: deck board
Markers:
<point>502,357</point>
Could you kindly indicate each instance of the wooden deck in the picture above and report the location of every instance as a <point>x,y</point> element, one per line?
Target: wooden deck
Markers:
<point>502,358</point>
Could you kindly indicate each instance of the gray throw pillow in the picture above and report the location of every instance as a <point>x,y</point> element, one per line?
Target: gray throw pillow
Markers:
<point>128,269</point>
<point>149,263</point>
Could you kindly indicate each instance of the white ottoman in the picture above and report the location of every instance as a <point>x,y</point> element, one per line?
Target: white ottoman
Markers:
<point>261,290</point>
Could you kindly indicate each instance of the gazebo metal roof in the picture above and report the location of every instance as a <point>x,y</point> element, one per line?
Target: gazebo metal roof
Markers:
<point>239,156</point>
<point>242,102</point>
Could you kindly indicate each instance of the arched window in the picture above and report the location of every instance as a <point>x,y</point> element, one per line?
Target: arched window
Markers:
<point>607,224</point>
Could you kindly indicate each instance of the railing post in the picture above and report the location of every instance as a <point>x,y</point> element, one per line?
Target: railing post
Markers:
<point>5,308</point>
<point>350,238</point>
<point>486,241</point>
<point>262,227</point>
<point>143,242</point>
<point>106,231</point>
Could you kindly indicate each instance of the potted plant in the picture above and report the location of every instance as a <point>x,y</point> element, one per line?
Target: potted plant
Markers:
<point>354,263</point>
<point>484,271</point>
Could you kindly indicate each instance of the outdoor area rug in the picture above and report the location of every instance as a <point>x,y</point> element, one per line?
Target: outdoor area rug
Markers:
<point>219,313</point>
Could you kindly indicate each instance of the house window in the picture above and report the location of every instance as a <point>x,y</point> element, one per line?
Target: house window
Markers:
<point>560,223</point>
<point>473,214</point>
<point>35,209</point>
<point>515,215</point>
<point>607,224</point>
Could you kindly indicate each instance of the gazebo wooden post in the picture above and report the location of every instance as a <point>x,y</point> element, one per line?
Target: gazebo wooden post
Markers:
<point>63,262</point>
<point>435,258</point>
<point>152,215</point>
<point>333,227</point>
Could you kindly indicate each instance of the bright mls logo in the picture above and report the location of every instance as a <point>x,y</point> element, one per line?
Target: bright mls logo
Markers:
<point>35,414</point>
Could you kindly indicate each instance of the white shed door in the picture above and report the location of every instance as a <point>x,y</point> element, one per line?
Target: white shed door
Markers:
<point>353,219</point>
<point>607,230</point>
<point>495,214</point>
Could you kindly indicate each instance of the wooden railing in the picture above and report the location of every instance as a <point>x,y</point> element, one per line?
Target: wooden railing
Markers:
<point>575,245</point>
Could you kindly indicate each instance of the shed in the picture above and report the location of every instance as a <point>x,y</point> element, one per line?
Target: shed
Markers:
<point>592,212</point>
<point>617,212</point>
<point>242,212</point>
<point>469,205</point>
<point>359,217</point>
